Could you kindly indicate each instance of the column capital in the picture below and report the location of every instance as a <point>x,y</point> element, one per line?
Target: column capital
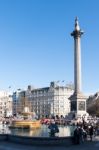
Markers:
<point>77,31</point>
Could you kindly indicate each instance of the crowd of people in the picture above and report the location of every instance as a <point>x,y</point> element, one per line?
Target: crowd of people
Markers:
<point>86,130</point>
<point>82,133</point>
<point>82,130</point>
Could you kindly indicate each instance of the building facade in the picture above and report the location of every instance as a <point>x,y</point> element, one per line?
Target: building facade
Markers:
<point>45,102</point>
<point>5,104</point>
<point>16,100</point>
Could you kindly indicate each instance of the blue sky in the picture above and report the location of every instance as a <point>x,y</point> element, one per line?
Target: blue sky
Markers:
<point>36,46</point>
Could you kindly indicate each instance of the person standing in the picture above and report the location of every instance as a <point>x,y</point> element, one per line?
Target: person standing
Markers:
<point>91,131</point>
<point>76,136</point>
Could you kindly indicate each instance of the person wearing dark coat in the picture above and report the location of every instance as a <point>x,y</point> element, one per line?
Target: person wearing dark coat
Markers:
<point>91,131</point>
<point>76,136</point>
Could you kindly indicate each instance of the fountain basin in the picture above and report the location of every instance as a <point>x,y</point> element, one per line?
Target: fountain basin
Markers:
<point>45,141</point>
<point>26,124</point>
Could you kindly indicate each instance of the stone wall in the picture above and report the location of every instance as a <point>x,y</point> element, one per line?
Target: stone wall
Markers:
<point>37,140</point>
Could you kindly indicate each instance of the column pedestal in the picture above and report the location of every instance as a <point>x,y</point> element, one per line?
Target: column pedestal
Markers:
<point>78,105</point>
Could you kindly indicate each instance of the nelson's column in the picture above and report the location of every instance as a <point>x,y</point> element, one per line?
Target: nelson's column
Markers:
<point>78,100</point>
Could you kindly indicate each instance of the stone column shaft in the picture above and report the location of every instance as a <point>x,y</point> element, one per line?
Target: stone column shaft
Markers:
<point>77,65</point>
<point>77,57</point>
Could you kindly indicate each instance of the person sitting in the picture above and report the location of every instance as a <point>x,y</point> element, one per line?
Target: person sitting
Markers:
<point>53,128</point>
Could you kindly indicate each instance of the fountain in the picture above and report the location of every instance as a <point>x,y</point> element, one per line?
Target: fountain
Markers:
<point>26,120</point>
<point>26,130</point>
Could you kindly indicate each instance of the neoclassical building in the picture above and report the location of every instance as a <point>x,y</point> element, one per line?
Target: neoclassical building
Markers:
<point>5,104</point>
<point>47,101</point>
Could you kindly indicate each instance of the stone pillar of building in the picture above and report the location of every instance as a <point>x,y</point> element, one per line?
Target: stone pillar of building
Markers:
<point>78,100</point>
